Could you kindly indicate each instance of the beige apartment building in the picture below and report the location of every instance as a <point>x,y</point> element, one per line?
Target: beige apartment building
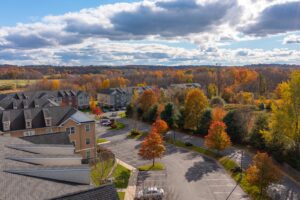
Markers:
<point>50,120</point>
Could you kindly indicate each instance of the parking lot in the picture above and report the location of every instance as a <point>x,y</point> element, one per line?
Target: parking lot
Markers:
<point>188,175</point>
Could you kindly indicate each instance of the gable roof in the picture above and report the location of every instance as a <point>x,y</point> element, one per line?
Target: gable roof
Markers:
<point>17,120</point>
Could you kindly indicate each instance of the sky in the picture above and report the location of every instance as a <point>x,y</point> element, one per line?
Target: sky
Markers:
<point>149,32</point>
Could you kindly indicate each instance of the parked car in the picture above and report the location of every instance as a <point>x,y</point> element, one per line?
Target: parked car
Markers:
<point>114,114</point>
<point>150,193</point>
<point>105,122</point>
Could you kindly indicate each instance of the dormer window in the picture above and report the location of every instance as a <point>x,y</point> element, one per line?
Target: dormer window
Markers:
<point>28,124</point>
<point>48,122</point>
<point>6,126</point>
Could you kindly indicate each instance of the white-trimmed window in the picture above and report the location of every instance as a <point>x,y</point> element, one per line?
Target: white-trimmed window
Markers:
<point>70,130</point>
<point>29,133</point>
<point>87,127</point>
<point>6,126</point>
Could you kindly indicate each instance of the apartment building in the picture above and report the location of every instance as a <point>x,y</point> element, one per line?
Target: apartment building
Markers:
<point>55,119</point>
<point>75,99</point>
<point>118,97</point>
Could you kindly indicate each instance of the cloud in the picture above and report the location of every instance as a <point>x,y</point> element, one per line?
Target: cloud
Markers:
<point>291,39</point>
<point>278,18</point>
<point>144,33</point>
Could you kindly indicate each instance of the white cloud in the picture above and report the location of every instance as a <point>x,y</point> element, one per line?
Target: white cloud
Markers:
<point>106,34</point>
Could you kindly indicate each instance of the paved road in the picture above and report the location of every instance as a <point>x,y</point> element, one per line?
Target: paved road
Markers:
<point>188,175</point>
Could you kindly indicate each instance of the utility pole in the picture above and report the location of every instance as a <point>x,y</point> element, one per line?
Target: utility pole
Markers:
<point>241,164</point>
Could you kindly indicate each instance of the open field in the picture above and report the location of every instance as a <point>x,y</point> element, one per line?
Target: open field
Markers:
<point>10,85</point>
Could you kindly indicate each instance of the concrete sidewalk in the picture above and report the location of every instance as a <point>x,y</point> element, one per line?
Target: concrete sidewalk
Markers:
<point>131,188</point>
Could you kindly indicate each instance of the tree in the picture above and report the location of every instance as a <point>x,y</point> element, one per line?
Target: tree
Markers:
<point>286,113</point>
<point>212,90</point>
<point>146,100</point>
<point>260,126</point>
<point>204,122</point>
<point>218,114</point>
<point>217,137</point>
<point>151,115</point>
<point>105,84</point>
<point>262,172</point>
<point>152,146</point>
<point>161,126</point>
<point>237,125</point>
<point>195,103</point>
<point>97,111</point>
<point>217,102</point>
<point>93,104</point>
<point>169,115</point>
<point>55,84</point>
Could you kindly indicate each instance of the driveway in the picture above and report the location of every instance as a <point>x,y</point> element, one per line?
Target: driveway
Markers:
<point>188,175</point>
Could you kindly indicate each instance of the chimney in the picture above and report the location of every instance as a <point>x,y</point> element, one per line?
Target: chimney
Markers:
<point>6,121</point>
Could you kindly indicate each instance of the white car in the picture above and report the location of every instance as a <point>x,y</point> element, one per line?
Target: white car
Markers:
<point>105,122</point>
<point>150,193</point>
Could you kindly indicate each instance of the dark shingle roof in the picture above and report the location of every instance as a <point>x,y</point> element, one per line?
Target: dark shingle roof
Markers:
<point>57,114</point>
<point>104,192</point>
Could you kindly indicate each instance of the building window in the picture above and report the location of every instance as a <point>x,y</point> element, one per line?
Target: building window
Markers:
<point>87,141</point>
<point>6,126</point>
<point>29,133</point>
<point>87,127</point>
<point>70,130</point>
<point>48,122</point>
<point>28,124</point>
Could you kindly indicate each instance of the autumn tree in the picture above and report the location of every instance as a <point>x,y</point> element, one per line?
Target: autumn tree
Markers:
<point>152,147</point>
<point>218,114</point>
<point>262,172</point>
<point>97,111</point>
<point>161,126</point>
<point>217,137</point>
<point>195,103</point>
<point>212,90</point>
<point>285,120</point>
<point>146,100</point>
<point>55,84</point>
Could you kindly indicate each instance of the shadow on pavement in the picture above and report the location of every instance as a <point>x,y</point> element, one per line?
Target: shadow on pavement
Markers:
<point>199,169</point>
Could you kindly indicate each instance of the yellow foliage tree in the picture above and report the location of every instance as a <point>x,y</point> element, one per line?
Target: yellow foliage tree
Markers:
<point>262,172</point>
<point>195,103</point>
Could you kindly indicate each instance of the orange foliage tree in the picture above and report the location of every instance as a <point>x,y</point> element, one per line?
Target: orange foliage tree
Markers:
<point>161,126</point>
<point>262,172</point>
<point>217,137</point>
<point>97,111</point>
<point>152,146</point>
<point>218,113</point>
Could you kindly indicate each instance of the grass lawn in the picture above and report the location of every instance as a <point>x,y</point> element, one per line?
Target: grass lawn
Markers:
<point>121,176</point>
<point>101,140</point>
<point>157,166</point>
<point>138,136</point>
<point>121,195</point>
<point>101,171</point>
<point>119,126</point>
<point>194,148</point>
